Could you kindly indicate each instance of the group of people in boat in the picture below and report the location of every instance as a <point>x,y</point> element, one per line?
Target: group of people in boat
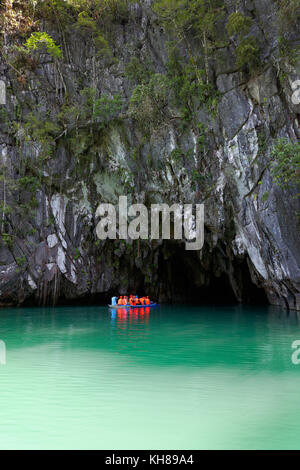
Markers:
<point>132,300</point>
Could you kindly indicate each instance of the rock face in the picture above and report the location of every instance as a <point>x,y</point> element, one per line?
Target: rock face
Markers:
<point>49,251</point>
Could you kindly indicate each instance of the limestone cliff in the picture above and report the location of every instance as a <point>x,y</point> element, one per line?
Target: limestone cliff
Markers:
<point>103,121</point>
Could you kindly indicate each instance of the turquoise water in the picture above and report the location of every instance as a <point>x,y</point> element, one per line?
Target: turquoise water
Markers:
<point>175,378</point>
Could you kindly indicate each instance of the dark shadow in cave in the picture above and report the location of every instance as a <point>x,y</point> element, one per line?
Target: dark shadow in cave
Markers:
<point>252,294</point>
<point>184,278</point>
<point>187,279</point>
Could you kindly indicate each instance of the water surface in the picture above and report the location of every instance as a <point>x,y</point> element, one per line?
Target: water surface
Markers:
<point>170,378</point>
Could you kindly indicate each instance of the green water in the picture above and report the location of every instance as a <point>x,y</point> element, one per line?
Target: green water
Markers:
<point>176,378</point>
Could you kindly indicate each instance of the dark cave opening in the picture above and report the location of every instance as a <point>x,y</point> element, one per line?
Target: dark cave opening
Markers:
<point>189,279</point>
<point>183,277</point>
<point>252,294</point>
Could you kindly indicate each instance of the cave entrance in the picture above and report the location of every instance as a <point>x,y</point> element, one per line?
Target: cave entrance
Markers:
<point>184,277</point>
<point>187,278</point>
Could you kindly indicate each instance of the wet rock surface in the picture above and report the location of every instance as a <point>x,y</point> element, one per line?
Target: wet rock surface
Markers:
<point>49,251</point>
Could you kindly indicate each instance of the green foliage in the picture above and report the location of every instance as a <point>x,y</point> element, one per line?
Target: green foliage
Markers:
<point>87,24</point>
<point>22,60</point>
<point>285,167</point>
<point>262,142</point>
<point>201,140</point>
<point>196,176</point>
<point>61,11</point>
<point>265,196</point>
<point>7,239</point>
<point>115,10</point>
<point>201,18</point>
<point>5,208</point>
<point>89,17</point>
<point>188,87</point>
<point>102,12</point>
<point>238,24</point>
<point>158,97</point>
<point>138,72</point>
<point>20,188</point>
<point>40,40</point>
<point>185,80</point>
<point>202,181</point>
<point>17,17</point>
<point>21,261</point>
<point>172,11</point>
<point>80,145</point>
<point>208,14</point>
<point>99,110</point>
<point>289,52</point>
<point>68,115</point>
<point>284,47</point>
<point>189,79</point>
<point>102,45</point>
<point>31,183</point>
<point>75,121</point>
<point>197,18</point>
<point>289,14</point>
<point>247,53</point>
<point>177,155</point>
<point>149,101</point>
<point>84,122</point>
<point>200,15</point>
<point>43,132</point>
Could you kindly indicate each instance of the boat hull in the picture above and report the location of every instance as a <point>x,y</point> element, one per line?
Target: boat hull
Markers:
<point>115,307</point>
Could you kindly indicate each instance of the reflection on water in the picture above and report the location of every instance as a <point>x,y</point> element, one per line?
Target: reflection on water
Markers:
<point>164,377</point>
<point>2,353</point>
<point>136,315</point>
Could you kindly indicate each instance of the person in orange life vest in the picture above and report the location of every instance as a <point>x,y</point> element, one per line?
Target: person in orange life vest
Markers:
<point>131,301</point>
<point>136,301</point>
<point>147,301</point>
<point>125,300</point>
<point>120,301</point>
<point>142,300</point>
